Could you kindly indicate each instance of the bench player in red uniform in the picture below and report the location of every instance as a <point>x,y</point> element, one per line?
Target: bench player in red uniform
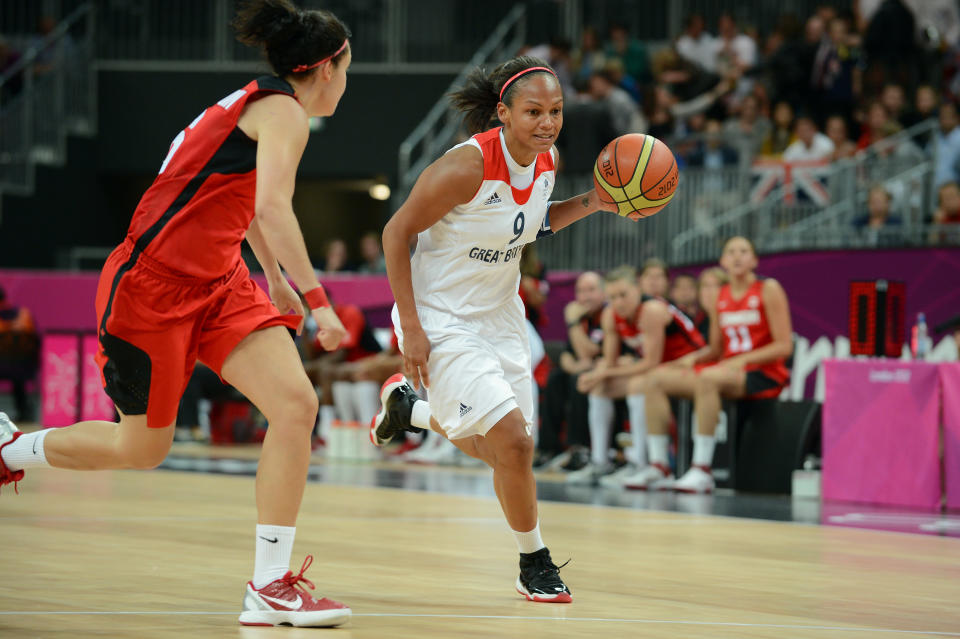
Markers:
<point>176,291</point>
<point>751,334</point>
<point>650,327</point>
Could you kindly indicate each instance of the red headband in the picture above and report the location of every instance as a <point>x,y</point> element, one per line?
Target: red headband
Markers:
<point>522,73</point>
<point>306,67</point>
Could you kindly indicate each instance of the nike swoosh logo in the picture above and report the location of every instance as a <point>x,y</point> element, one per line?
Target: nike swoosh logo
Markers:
<point>290,605</point>
<point>34,446</point>
<point>272,541</point>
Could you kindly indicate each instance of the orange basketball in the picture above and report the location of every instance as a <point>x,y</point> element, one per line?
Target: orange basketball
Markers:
<point>636,172</point>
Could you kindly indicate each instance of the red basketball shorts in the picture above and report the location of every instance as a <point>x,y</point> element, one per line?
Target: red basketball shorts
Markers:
<point>155,323</point>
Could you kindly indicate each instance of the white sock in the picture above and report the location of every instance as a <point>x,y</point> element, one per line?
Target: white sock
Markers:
<point>366,401</point>
<point>529,542</point>
<point>343,401</point>
<point>600,421</point>
<point>703,450</point>
<point>636,406</point>
<point>274,545</point>
<point>420,415</point>
<point>657,449</point>
<point>26,451</point>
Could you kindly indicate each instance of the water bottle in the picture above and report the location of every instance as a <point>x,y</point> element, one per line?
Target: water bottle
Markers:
<point>920,341</point>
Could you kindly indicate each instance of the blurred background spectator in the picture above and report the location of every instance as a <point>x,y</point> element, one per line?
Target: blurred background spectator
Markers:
<point>19,352</point>
<point>335,257</point>
<point>877,217</point>
<point>810,145</point>
<point>372,254</point>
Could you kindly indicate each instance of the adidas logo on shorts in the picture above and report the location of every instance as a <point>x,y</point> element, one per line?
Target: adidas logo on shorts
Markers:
<point>464,409</point>
<point>493,199</point>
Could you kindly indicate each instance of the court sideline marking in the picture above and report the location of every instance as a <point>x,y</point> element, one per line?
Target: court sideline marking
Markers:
<point>526,618</point>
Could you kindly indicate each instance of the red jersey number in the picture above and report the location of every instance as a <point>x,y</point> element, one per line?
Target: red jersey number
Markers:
<point>738,339</point>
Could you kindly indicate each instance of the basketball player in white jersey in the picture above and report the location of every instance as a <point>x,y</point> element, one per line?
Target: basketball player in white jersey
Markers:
<point>458,315</point>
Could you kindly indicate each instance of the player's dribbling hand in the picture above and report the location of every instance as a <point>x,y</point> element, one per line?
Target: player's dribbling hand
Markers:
<point>287,300</point>
<point>330,330</point>
<point>416,353</point>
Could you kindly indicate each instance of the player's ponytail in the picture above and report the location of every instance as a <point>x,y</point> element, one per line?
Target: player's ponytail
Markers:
<point>482,92</point>
<point>294,41</point>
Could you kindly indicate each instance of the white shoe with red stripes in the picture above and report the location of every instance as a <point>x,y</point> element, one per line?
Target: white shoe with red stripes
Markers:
<point>286,601</point>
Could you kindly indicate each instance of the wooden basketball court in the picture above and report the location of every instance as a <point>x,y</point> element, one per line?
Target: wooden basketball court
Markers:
<point>165,554</point>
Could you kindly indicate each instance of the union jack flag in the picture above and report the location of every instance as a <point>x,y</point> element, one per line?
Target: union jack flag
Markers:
<point>806,179</point>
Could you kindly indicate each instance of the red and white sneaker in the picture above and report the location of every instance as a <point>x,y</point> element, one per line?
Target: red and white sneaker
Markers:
<point>697,480</point>
<point>8,433</point>
<point>285,601</point>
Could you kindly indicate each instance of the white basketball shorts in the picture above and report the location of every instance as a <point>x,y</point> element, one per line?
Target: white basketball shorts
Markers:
<point>479,368</point>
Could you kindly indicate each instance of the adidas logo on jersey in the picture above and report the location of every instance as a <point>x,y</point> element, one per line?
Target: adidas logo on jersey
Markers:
<point>493,199</point>
<point>464,409</point>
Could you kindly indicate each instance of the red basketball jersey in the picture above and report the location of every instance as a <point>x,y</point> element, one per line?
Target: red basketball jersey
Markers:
<point>744,327</point>
<point>196,213</point>
<point>680,336</point>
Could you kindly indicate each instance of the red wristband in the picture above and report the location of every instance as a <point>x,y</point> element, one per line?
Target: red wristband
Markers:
<point>316,298</point>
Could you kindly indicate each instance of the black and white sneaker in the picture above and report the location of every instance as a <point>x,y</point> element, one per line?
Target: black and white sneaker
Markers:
<point>396,405</point>
<point>539,579</point>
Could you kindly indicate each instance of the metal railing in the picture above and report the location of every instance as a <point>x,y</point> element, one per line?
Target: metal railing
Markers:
<point>49,92</point>
<point>436,133</point>
<point>711,205</point>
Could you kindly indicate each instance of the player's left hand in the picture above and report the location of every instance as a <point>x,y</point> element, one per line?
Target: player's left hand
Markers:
<point>287,300</point>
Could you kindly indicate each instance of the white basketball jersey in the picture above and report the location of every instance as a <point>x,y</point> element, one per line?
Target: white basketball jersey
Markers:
<point>468,263</point>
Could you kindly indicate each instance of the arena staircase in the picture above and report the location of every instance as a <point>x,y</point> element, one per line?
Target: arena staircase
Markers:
<point>46,97</point>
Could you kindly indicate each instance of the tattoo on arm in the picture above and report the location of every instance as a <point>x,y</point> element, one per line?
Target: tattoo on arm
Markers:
<point>585,201</point>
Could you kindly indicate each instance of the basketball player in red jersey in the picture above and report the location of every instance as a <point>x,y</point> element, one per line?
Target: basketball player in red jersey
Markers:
<point>458,315</point>
<point>657,331</point>
<point>751,335</point>
<point>177,291</point>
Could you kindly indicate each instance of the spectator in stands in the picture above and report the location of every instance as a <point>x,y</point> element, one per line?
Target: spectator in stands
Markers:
<point>19,352</point>
<point>810,145</point>
<point>557,53</point>
<point>713,152</point>
<point>335,256</point>
<point>630,51</point>
<point>948,208</point>
<point>947,149</point>
<point>788,61</point>
<point>781,135</point>
<point>893,98</point>
<point>372,254</point>
<point>889,44</point>
<point>708,287</point>
<point>924,107</point>
<point>614,70</point>
<point>735,51</point>
<point>562,402</point>
<point>696,44</point>
<point>749,129</point>
<point>668,109</point>
<point>871,224</point>
<point>625,115</point>
<point>654,278</point>
<point>877,120</point>
<point>836,130</point>
<point>834,73</point>
<point>589,58</point>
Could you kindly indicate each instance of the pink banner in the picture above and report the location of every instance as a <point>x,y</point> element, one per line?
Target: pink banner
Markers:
<point>881,433</point>
<point>96,404</point>
<point>950,380</point>
<point>60,374</point>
